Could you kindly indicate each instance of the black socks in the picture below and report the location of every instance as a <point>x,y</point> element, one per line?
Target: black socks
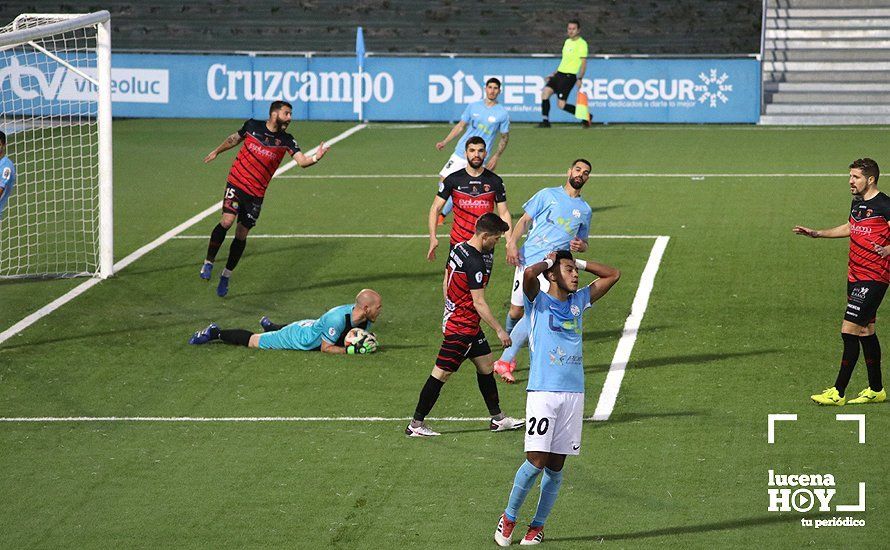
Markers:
<point>217,236</point>
<point>235,252</point>
<point>871,350</point>
<point>428,396</point>
<point>489,390</point>
<point>236,336</point>
<point>848,361</point>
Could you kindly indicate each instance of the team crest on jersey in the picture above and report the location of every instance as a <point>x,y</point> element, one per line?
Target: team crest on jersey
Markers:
<point>576,213</point>
<point>491,118</point>
<point>869,212</point>
<point>576,311</point>
<point>7,171</point>
<point>486,188</point>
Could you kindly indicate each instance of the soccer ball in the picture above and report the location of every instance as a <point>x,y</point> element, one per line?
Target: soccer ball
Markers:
<point>355,336</point>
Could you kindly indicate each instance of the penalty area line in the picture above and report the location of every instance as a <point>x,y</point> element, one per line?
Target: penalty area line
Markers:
<point>385,236</point>
<point>609,394</point>
<point>562,174</point>
<point>142,251</point>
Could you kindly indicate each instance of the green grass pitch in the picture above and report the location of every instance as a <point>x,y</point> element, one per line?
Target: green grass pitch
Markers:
<point>742,322</point>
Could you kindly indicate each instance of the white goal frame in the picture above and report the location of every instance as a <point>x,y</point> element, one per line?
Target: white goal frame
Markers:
<point>67,23</point>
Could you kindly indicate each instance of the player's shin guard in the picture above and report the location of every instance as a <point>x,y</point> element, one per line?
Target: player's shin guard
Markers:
<point>238,337</point>
<point>519,335</point>
<point>235,252</point>
<point>522,484</point>
<point>550,485</point>
<point>217,236</point>
<point>848,361</point>
<point>428,396</point>
<point>871,350</point>
<point>489,390</point>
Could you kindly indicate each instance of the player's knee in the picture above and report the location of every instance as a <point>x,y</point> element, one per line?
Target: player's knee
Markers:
<point>561,103</point>
<point>516,312</point>
<point>440,374</point>
<point>538,459</point>
<point>226,222</point>
<point>556,462</point>
<point>242,231</point>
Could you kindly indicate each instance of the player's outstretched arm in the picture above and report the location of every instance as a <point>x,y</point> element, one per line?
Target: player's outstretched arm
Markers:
<point>833,233</point>
<point>455,131</point>
<point>504,214</point>
<point>607,277</point>
<point>230,142</point>
<point>307,161</point>
<point>435,210</point>
<point>484,312</point>
<point>513,239</point>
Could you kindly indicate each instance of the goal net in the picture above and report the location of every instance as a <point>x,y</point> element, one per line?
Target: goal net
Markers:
<point>55,109</point>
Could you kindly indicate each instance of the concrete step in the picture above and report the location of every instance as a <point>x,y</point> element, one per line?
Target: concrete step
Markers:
<point>816,87</point>
<point>839,66</point>
<point>829,98</point>
<point>845,56</point>
<point>823,120</point>
<point>828,23</point>
<point>878,77</point>
<point>797,109</point>
<point>824,13</point>
<point>820,44</point>
<point>824,34</point>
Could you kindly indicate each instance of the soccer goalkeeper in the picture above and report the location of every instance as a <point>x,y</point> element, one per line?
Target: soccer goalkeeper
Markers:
<point>327,333</point>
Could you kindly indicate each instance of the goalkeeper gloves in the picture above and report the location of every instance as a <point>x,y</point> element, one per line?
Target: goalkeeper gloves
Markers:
<point>363,346</point>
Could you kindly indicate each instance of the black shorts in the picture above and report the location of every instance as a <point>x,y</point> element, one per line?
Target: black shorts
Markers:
<point>247,207</point>
<point>457,347</point>
<point>863,300</point>
<point>562,84</point>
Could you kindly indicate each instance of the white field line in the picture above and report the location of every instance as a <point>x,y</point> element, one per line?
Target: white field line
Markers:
<point>562,174</point>
<point>86,285</point>
<point>232,419</point>
<point>385,236</point>
<point>609,394</point>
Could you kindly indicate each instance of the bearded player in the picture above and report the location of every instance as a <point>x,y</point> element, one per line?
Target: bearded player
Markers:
<point>867,279</point>
<point>467,274</point>
<point>265,144</point>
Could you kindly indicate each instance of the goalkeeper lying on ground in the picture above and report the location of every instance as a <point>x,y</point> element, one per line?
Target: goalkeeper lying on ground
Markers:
<point>327,334</point>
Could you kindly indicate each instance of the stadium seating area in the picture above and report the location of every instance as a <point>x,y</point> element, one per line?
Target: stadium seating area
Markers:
<point>471,26</point>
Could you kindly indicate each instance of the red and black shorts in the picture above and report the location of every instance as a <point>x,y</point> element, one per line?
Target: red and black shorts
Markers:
<point>562,84</point>
<point>457,347</point>
<point>246,207</point>
<point>863,300</point>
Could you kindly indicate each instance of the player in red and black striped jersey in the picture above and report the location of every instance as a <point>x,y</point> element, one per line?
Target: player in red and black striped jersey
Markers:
<point>475,190</point>
<point>469,267</point>
<point>868,228</point>
<point>265,144</point>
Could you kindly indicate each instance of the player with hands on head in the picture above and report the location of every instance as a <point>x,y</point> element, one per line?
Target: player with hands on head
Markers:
<point>554,407</point>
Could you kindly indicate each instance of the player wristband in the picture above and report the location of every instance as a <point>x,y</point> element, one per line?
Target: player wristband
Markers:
<point>549,262</point>
<point>581,264</point>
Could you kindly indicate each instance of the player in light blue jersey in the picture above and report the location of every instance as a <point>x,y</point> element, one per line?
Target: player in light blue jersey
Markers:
<point>561,220</point>
<point>554,406</point>
<point>7,175</point>
<point>485,118</point>
<point>326,333</point>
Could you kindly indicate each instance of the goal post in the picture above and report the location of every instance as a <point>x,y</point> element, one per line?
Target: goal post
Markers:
<point>55,108</point>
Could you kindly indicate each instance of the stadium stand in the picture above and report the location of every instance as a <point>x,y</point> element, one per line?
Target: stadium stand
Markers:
<point>826,62</point>
<point>405,26</point>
